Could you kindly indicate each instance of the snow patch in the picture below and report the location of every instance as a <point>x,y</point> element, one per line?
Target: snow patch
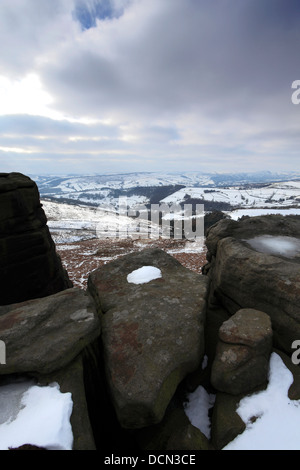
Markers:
<point>197,409</point>
<point>288,247</point>
<point>36,415</point>
<point>277,417</point>
<point>144,275</point>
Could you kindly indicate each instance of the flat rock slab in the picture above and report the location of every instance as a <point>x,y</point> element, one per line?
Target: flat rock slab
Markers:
<point>152,332</point>
<point>44,335</point>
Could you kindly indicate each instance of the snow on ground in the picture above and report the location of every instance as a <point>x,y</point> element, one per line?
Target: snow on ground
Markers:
<point>271,418</point>
<point>144,274</point>
<point>31,414</point>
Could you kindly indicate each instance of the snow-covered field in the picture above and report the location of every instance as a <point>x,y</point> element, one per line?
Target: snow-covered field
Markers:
<point>274,195</point>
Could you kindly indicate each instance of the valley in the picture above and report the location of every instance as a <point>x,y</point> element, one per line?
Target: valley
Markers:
<point>87,237</point>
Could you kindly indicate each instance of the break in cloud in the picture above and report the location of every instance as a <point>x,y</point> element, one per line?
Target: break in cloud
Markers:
<point>125,85</point>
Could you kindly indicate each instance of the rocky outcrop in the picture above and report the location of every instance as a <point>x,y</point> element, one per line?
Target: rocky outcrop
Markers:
<point>152,333</point>
<point>252,310</point>
<point>30,267</point>
<point>265,277</point>
<point>148,331</point>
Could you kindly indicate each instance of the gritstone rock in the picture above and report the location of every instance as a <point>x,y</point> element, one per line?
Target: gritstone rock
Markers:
<point>30,267</point>
<point>243,352</point>
<point>44,335</point>
<point>268,280</point>
<point>152,333</point>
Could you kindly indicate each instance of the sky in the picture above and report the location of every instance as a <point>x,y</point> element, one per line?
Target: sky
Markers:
<point>105,86</point>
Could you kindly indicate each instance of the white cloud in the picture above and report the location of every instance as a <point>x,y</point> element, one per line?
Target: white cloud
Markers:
<point>29,29</point>
<point>206,81</point>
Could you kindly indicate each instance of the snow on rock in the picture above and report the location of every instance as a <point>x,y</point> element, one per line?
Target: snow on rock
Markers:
<point>276,245</point>
<point>197,408</point>
<point>36,415</point>
<point>271,418</point>
<point>144,275</point>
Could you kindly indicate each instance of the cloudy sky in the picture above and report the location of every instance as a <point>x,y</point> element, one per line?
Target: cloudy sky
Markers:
<point>97,86</point>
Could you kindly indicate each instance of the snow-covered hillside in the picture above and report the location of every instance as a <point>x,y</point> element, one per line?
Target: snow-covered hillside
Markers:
<point>244,190</point>
<point>74,205</point>
<point>69,184</point>
<point>71,223</point>
<point>284,194</point>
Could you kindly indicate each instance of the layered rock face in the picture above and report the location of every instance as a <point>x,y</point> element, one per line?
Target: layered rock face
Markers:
<point>30,267</point>
<point>255,263</point>
<point>152,333</point>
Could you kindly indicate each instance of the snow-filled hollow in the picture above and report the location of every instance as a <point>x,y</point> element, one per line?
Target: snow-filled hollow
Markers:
<point>144,275</point>
<point>36,415</point>
<point>288,247</point>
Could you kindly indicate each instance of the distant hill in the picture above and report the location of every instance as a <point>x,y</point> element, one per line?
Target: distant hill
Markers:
<point>216,191</point>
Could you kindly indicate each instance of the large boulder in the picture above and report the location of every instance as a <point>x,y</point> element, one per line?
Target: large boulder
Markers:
<point>30,267</point>
<point>254,263</point>
<point>152,333</point>
<point>243,352</point>
<point>45,335</point>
